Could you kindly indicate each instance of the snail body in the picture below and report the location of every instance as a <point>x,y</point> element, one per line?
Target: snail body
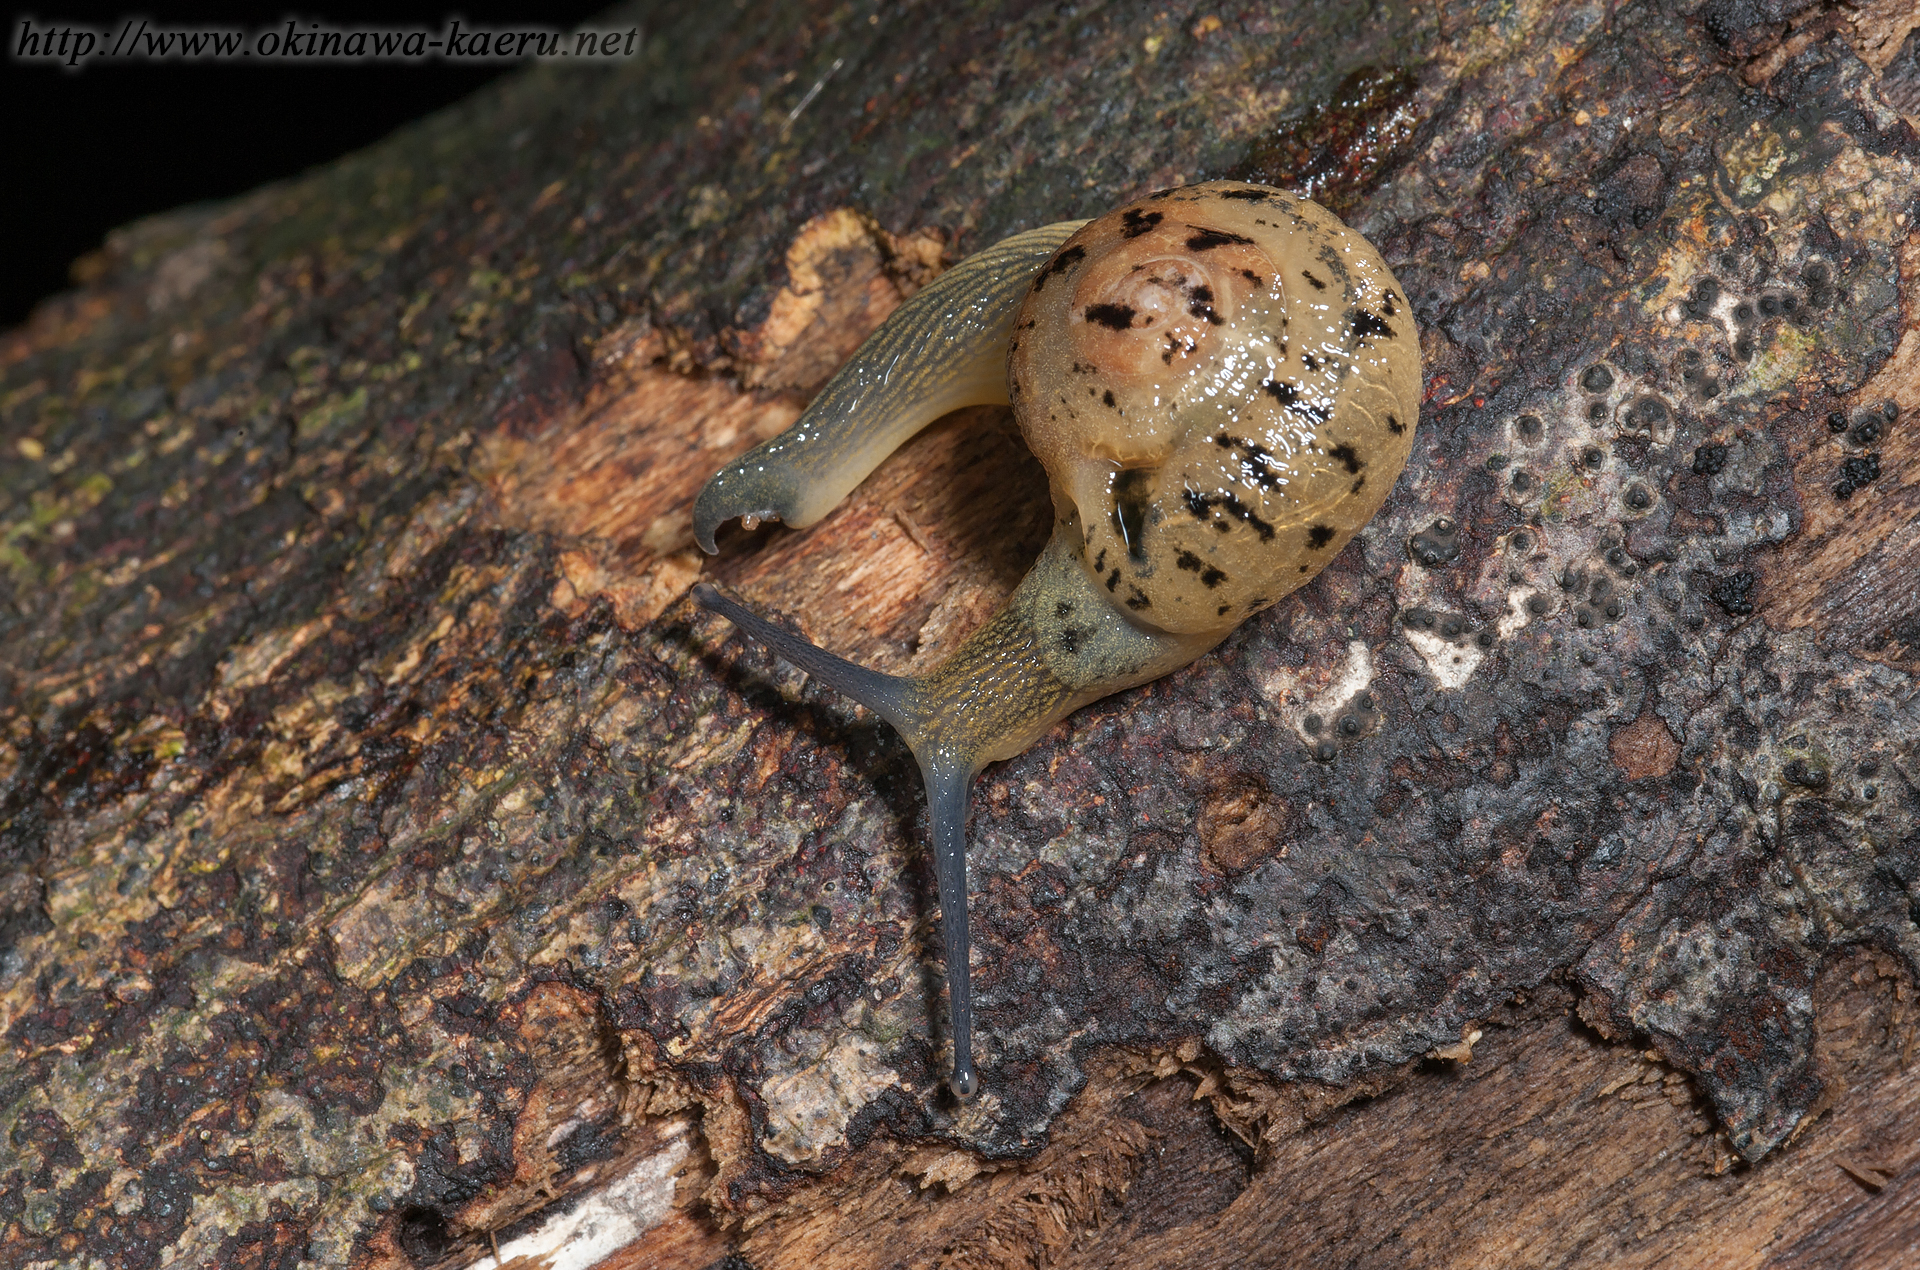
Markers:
<point>1221,381</point>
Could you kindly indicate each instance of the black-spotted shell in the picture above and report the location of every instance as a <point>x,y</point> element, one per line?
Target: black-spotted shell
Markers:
<point>1221,382</point>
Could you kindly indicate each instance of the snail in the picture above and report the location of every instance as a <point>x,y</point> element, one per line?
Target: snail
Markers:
<point>1221,381</point>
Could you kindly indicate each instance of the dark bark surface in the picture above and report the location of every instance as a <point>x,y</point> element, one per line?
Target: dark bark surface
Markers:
<point>391,848</point>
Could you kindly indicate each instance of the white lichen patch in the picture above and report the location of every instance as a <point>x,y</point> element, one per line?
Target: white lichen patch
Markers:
<point>1516,615</point>
<point>1451,664</point>
<point>808,1110</point>
<point>1322,691</point>
<point>603,1223</point>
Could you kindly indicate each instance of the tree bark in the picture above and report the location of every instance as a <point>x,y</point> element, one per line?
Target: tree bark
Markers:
<point>399,866</point>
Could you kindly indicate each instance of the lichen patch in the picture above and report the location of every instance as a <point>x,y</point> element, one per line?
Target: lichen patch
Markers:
<point>808,1109</point>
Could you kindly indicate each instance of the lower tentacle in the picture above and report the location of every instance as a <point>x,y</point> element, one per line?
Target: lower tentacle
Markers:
<point>947,798</point>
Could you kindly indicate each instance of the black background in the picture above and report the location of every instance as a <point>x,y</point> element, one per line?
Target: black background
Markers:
<point>89,150</point>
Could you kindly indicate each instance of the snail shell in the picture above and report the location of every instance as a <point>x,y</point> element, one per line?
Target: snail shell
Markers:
<point>1221,381</point>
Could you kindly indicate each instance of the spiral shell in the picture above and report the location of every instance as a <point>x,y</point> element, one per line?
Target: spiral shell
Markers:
<point>1221,382</point>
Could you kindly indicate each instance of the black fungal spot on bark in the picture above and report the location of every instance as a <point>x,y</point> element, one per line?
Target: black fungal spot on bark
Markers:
<point>1804,774</point>
<point>1438,544</point>
<point>1710,459</point>
<point>1596,379</point>
<point>1115,317</point>
<point>1289,396</point>
<point>1856,473</point>
<point>1734,592</point>
<point>1060,264</point>
<point>1203,239</point>
<point>1706,293</point>
<point>1869,424</point>
<point>1648,412</point>
<point>1136,222</point>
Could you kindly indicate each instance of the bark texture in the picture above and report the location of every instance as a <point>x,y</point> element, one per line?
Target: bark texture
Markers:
<point>396,861</point>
